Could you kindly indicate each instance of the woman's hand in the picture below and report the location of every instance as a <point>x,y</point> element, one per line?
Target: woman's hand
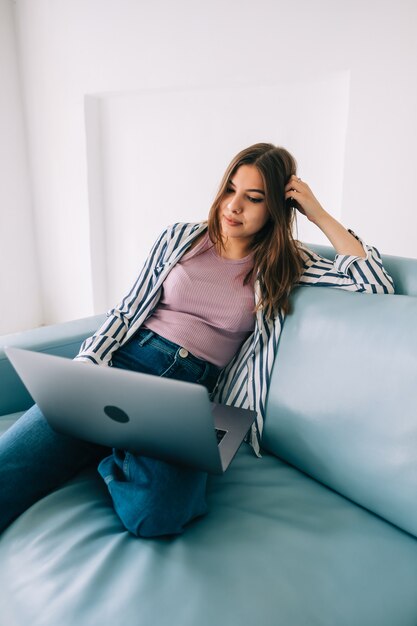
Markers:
<point>341,239</point>
<point>307,203</point>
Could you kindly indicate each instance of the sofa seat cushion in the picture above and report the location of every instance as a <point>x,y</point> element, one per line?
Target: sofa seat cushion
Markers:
<point>277,548</point>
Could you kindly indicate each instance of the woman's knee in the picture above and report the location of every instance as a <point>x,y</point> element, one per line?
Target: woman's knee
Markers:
<point>153,498</point>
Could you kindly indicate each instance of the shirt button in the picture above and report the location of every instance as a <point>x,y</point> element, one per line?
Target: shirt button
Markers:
<point>183,353</point>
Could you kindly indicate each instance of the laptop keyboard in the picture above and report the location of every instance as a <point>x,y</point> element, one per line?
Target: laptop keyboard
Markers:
<point>220,434</point>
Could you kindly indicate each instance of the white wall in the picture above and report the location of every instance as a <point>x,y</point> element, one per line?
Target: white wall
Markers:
<point>157,156</point>
<point>20,305</point>
<point>71,48</point>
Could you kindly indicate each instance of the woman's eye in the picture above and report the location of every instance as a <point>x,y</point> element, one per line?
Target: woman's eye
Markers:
<point>255,200</point>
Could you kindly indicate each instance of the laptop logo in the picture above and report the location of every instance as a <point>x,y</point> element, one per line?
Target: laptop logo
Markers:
<point>116,414</point>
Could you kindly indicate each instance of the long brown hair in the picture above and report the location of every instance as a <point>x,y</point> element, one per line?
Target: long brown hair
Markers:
<point>277,260</point>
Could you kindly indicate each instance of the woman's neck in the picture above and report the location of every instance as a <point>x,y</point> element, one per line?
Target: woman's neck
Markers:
<point>234,249</point>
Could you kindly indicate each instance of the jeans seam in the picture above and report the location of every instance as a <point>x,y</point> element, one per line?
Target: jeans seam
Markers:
<point>126,465</point>
<point>162,348</point>
<point>204,375</point>
<point>168,368</point>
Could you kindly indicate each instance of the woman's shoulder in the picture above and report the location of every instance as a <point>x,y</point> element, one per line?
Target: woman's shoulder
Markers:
<point>180,231</point>
<point>185,227</point>
<point>304,251</point>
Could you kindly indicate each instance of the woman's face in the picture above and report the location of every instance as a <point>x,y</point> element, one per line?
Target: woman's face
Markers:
<point>242,211</point>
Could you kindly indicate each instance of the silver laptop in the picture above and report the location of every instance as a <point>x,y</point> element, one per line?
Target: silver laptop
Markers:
<point>163,418</point>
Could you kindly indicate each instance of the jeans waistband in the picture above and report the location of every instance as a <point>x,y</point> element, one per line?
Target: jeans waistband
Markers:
<point>146,334</point>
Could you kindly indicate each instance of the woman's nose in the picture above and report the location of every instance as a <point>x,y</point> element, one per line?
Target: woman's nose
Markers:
<point>234,206</point>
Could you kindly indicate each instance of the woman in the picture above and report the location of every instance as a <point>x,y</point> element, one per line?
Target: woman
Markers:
<point>208,306</point>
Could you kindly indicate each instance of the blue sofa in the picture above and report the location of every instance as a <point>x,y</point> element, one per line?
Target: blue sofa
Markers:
<point>322,531</point>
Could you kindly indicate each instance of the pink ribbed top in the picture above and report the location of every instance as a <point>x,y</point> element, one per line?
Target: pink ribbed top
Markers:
<point>204,305</point>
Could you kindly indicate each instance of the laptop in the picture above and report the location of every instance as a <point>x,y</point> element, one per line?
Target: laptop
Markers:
<point>163,418</point>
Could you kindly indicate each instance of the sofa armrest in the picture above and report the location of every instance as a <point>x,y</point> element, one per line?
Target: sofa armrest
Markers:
<point>62,339</point>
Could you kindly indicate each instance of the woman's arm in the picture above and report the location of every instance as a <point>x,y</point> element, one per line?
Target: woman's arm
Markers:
<point>343,242</point>
<point>99,347</point>
<point>356,267</point>
<point>349,272</point>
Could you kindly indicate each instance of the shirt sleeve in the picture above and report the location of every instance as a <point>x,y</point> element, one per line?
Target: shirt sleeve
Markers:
<point>353,273</point>
<point>98,348</point>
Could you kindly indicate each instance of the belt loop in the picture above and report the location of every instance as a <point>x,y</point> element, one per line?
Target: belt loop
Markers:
<point>146,337</point>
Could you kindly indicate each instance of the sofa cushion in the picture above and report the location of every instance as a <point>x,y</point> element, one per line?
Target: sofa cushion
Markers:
<point>276,548</point>
<point>343,396</point>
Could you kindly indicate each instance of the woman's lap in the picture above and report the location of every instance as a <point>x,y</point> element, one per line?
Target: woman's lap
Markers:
<point>151,497</point>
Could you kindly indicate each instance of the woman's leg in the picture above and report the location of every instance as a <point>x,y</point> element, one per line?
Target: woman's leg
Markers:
<point>34,460</point>
<point>153,497</point>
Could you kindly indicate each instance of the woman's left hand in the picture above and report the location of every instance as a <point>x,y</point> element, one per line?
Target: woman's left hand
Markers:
<point>307,203</point>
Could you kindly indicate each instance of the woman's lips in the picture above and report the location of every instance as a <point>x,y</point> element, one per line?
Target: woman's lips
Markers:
<point>232,222</point>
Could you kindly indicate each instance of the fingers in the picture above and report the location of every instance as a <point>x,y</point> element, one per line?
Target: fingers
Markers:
<point>294,183</point>
<point>294,190</point>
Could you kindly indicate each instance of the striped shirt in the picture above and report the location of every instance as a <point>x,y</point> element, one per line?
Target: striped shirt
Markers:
<point>244,382</point>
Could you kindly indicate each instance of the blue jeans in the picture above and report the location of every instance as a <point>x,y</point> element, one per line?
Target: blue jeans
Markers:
<point>151,497</point>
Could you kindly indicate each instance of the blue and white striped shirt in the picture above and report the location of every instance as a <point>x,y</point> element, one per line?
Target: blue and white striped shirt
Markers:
<point>244,382</point>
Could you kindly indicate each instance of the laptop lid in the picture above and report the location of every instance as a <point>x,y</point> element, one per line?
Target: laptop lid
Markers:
<point>163,418</point>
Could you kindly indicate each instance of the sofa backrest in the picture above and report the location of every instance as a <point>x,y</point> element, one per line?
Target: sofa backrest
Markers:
<point>342,403</point>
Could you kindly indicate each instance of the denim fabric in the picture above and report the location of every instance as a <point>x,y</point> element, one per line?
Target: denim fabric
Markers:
<point>152,354</point>
<point>35,460</point>
<point>151,497</point>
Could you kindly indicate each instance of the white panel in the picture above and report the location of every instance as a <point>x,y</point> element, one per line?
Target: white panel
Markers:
<point>161,154</point>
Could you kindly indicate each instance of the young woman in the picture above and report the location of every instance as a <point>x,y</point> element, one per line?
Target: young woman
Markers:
<point>208,306</point>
